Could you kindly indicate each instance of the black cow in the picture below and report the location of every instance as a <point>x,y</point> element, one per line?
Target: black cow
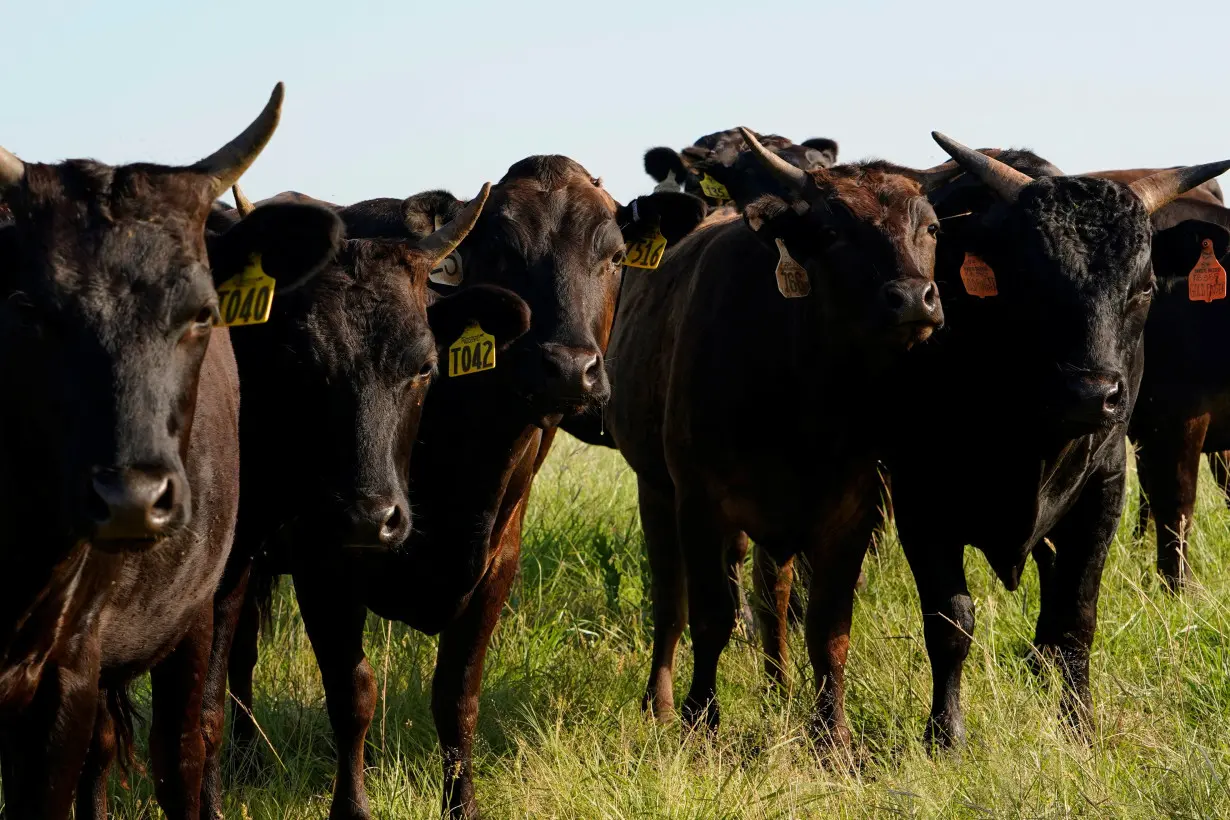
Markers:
<point>333,387</point>
<point>721,169</point>
<point>119,460</point>
<point>551,234</point>
<point>1070,255</point>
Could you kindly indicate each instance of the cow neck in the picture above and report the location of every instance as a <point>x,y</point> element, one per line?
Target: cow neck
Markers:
<point>470,468</point>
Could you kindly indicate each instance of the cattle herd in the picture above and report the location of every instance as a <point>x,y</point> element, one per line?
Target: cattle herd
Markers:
<point>771,339</point>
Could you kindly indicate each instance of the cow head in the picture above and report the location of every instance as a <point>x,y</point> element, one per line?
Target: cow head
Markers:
<point>334,384</point>
<point>1072,253</point>
<point>554,236</point>
<point>107,299</point>
<point>726,158</point>
<point>866,237</point>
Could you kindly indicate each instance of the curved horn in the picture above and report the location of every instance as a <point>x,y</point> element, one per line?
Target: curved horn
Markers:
<point>444,241</point>
<point>12,170</point>
<point>242,203</point>
<point>1001,178</point>
<point>1158,189</point>
<point>796,178</point>
<point>226,165</point>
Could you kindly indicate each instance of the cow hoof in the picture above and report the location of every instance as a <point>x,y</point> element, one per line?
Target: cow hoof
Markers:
<point>699,717</point>
<point>944,735</point>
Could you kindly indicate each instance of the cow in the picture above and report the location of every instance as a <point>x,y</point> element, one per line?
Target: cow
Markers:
<point>1022,247</point>
<point>119,464</point>
<point>703,345</point>
<point>720,168</point>
<point>554,236</point>
<point>1184,403</point>
<point>333,387</point>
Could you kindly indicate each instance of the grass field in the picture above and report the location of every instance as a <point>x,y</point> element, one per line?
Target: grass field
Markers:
<point>562,734</point>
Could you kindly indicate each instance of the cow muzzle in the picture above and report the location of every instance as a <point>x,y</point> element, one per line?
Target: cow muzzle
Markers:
<point>377,523</point>
<point>134,507</point>
<point>1095,399</point>
<point>572,378</point>
<point>913,304</point>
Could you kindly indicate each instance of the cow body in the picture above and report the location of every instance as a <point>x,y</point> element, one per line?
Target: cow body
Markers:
<point>805,483</point>
<point>554,237</point>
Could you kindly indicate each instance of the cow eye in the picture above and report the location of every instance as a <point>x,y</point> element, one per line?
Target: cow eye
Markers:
<point>204,318</point>
<point>618,259</point>
<point>1149,288</point>
<point>933,229</point>
<point>426,371</point>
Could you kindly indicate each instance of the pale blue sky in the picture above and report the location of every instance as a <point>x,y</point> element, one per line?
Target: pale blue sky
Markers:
<point>386,99</point>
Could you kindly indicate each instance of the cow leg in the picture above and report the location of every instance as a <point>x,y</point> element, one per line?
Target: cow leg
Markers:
<point>245,648</point>
<point>830,609</point>
<point>774,583</point>
<point>1142,512</point>
<point>1069,613</point>
<point>669,589</point>
<point>747,618</point>
<point>92,786</point>
<point>712,592</point>
<point>43,749</point>
<point>459,678</point>
<point>948,630</point>
<point>334,624</point>
<point>797,611</point>
<point>228,606</point>
<point>1173,467</point>
<point>177,742</point>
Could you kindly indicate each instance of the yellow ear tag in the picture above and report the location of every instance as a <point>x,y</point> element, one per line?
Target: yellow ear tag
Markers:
<point>792,281</point>
<point>714,189</point>
<point>646,253</point>
<point>473,352</point>
<point>246,299</point>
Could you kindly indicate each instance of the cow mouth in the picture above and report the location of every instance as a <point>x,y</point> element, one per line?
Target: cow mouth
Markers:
<point>915,333</point>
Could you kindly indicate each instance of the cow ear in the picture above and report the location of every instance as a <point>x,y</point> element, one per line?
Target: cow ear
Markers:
<point>661,163</point>
<point>675,214</point>
<point>499,311</point>
<point>294,242</point>
<point>424,214</point>
<point>826,147</point>
<point>1177,249</point>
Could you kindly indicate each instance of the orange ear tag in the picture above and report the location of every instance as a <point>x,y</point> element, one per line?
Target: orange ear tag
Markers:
<point>978,278</point>
<point>1207,281</point>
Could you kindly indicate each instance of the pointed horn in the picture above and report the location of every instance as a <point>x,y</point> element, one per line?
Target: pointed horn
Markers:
<point>796,178</point>
<point>242,203</point>
<point>1158,189</point>
<point>1001,178</point>
<point>932,178</point>
<point>226,165</point>
<point>444,241</point>
<point>12,170</point>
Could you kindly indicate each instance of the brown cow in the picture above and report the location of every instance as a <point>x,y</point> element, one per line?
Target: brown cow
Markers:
<point>862,239</point>
<point>555,237</point>
<point>119,467</point>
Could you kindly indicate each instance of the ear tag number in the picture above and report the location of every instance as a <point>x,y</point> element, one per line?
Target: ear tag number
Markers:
<point>646,253</point>
<point>473,352</point>
<point>1207,281</point>
<point>449,272</point>
<point>246,299</point>
<point>978,278</point>
<point>792,281</point>
<point>714,189</point>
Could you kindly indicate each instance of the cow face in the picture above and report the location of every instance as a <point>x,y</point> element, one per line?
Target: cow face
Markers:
<point>725,158</point>
<point>866,237</point>
<point>337,378</point>
<point>106,305</point>
<point>1076,251</point>
<point>552,235</point>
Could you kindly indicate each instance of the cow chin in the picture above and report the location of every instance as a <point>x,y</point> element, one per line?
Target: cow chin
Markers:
<point>125,546</point>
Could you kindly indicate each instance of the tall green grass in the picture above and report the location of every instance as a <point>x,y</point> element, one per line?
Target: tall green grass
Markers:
<point>561,733</point>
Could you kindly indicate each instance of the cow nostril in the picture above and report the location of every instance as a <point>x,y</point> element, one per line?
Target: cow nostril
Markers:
<point>1113,398</point>
<point>393,519</point>
<point>894,299</point>
<point>592,372</point>
<point>931,296</point>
